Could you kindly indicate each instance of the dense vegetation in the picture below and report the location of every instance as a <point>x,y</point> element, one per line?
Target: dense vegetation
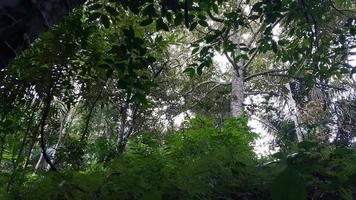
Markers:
<point>161,100</point>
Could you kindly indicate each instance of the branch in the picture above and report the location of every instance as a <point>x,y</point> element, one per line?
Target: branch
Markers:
<point>269,72</point>
<point>261,93</point>
<point>321,85</point>
<point>341,11</point>
<point>231,61</point>
<point>267,124</point>
<point>48,101</point>
<point>90,114</point>
<point>206,94</point>
<point>217,19</point>
<point>252,57</point>
<point>205,83</point>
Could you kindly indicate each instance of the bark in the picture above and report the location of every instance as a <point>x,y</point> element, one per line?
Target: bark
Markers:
<point>238,79</point>
<point>45,113</point>
<point>128,126</point>
<point>66,121</point>
<point>295,114</point>
<point>237,93</point>
<point>121,143</point>
<point>237,83</point>
<point>22,22</point>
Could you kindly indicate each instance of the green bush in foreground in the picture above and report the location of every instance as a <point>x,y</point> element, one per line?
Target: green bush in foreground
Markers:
<point>202,162</point>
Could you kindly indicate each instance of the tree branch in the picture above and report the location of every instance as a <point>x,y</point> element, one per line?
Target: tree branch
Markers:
<point>269,72</point>
<point>206,94</point>
<point>251,59</point>
<point>90,114</point>
<point>261,93</point>
<point>205,83</point>
<point>231,61</point>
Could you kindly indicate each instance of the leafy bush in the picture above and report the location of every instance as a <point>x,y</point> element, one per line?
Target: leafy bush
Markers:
<point>203,162</point>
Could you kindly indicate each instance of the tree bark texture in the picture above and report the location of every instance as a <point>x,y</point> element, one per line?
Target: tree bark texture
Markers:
<point>237,93</point>
<point>22,22</point>
<point>293,108</point>
<point>237,83</point>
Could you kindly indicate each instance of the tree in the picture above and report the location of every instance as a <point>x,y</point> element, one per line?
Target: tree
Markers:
<point>88,110</point>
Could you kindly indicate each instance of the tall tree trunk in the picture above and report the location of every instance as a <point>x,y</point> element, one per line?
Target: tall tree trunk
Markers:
<point>22,22</point>
<point>295,114</point>
<point>237,93</point>
<point>237,82</point>
<point>121,141</point>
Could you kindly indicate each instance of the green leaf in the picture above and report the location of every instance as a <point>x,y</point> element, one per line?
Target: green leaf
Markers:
<point>178,19</point>
<point>257,6</point>
<point>215,8</point>
<point>274,46</point>
<point>112,11</point>
<point>152,196</point>
<point>105,20</point>
<point>190,71</point>
<point>254,17</point>
<point>352,179</point>
<point>202,17</point>
<point>94,16</point>
<point>353,30</point>
<point>146,22</point>
<point>289,185</point>
<point>195,50</point>
<point>203,23</point>
<point>308,145</point>
<point>200,69</point>
<point>109,72</point>
<point>95,6</point>
<point>149,10</point>
<point>192,26</point>
<point>212,37</point>
<point>160,25</point>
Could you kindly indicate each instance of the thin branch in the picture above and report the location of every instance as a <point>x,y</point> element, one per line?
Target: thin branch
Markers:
<point>204,83</point>
<point>322,85</point>
<point>252,57</point>
<point>90,114</point>
<point>206,94</point>
<point>231,61</point>
<point>261,93</point>
<point>268,125</point>
<point>269,72</point>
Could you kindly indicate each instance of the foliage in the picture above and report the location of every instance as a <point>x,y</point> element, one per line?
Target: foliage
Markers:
<point>89,110</point>
<point>198,162</point>
<point>202,162</point>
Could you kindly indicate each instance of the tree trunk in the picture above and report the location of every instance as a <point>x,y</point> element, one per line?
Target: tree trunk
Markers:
<point>295,114</point>
<point>121,141</point>
<point>67,117</point>
<point>237,82</point>
<point>237,93</point>
<point>22,22</point>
